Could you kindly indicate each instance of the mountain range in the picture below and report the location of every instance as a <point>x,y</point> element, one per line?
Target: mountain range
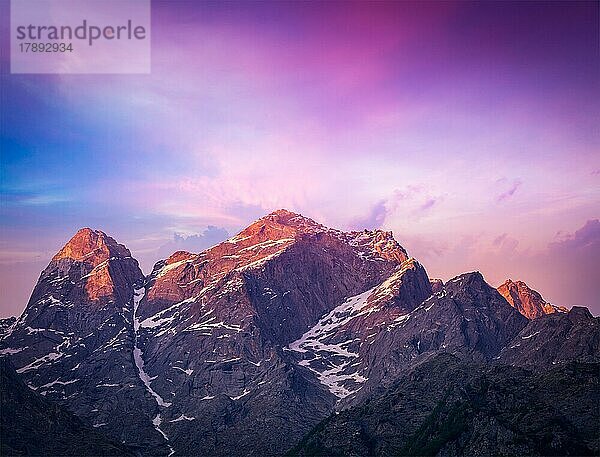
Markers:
<point>292,338</point>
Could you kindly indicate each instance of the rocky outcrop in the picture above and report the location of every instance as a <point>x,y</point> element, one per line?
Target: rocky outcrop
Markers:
<point>527,301</point>
<point>6,325</point>
<point>555,339</point>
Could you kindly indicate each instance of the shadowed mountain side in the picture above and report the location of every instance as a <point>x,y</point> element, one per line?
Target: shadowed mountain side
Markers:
<point>451,407</point>
<point>32,425</point>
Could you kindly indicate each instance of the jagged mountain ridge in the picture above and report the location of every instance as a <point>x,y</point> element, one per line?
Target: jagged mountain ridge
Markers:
<point>242,348</point>
<point>555,339</point>
<point>467,317</point>
<point>526,300</point>
<point>336,348</point>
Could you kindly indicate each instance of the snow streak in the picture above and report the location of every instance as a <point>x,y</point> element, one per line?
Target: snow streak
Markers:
<point>138,295</point>
<point>332,362</point>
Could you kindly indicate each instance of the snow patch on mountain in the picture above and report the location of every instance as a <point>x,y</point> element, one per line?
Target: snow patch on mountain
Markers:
<point>156,422</point>
<point>331,360</point>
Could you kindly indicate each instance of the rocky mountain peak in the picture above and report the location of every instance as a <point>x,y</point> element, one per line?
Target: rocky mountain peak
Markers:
<point>91,246</point>
<point>285,217</point>
<point>89,259</point>
<point>526,300</point>
<point>473,281</point>
<point>407,287</point>
<point>276,232</point>
<point>377,242</point>
<point>178,256</point>
<point>91,269</point>
<point>284,226</point>
<point>579,313</point>
<point>281,224</point>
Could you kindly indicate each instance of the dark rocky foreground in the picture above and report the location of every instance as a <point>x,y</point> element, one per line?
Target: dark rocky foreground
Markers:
<point>450,407</point>
<point>32,425</point>
<point>293,337</point>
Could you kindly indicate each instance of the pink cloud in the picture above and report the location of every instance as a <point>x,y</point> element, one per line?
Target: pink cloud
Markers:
<point>587,237</point>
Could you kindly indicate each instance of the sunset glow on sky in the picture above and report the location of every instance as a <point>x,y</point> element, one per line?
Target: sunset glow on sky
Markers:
<point>469,130</point>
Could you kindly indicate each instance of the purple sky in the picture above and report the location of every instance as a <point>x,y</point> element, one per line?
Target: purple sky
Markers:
<point>469,129</point>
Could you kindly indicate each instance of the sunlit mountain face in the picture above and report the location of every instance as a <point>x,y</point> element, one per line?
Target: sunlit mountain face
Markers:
<point>158,301</point>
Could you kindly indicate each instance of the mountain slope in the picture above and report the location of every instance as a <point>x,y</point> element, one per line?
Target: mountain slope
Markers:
<point>467,317</point>
<point>554,339</point>
<point>32,425</point>
<point>451,407</point>
<point>336,348</point>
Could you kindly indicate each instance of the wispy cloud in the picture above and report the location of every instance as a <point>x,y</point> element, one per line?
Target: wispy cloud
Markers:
<point>428,204</point>
<point>505,243</point>
<point>510,191</point>
<point>373,220</point>
<point>193,243</point>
